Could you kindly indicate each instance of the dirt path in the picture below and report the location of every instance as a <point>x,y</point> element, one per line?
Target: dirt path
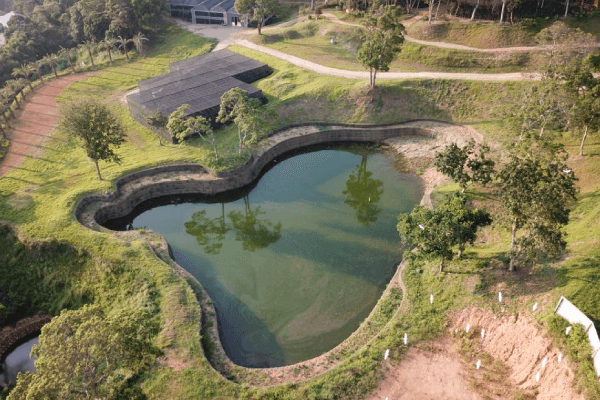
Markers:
<point>321,69</point>
<point>444,45</point>
<point>35,122</point>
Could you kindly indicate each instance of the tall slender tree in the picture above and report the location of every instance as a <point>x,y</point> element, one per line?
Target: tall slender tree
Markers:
<point>382,40</point>
<point>52,61</point>
<point>90,46</point>
<point>123,44</point>
<point>26,71</point>
<point>69,54</point>
<point>39,64</point>
<point>108,44</point>
<point>138,41</point>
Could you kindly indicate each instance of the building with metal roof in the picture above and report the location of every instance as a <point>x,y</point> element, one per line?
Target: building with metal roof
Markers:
<point>220,12</point>
<point>199,82</point>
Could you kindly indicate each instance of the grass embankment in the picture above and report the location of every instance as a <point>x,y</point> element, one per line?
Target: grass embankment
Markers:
<point>485,35</point>
<point>311,40</point>
<point>39,197</point>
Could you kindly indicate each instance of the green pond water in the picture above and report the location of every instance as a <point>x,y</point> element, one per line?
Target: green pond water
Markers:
<point>297,262</point>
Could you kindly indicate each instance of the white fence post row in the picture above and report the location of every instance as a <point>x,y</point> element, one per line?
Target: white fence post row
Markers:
<point>568,311</point>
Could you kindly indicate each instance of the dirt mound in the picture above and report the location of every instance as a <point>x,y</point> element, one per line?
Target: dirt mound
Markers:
<point>432,372</point>
<point>517,342</point>
<point>512,352</point>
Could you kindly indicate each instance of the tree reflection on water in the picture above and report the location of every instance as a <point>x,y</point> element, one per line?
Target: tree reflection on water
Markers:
<point>254,232</point>
<point>363,193</point>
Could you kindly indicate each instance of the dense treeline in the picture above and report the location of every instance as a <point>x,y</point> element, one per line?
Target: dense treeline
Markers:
<point>44,27</point>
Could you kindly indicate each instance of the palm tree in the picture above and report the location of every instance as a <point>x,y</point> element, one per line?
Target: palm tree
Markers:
<point>122,42</point>
<point>22,82</point>
<point>138,42</point>
<point>107,44</point>
<point>5,93</point>
<point>69,55</point>
<point>91,47</point>
<point>38,67</point>
<point>15,88</point>
<point>26,71</point>
<point>52,61</point>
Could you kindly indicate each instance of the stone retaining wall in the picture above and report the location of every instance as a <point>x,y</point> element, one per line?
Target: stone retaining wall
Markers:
<point>181,179</point>
<point>11,335</point>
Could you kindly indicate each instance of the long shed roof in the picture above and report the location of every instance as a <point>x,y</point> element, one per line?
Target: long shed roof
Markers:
<point>200,82</point>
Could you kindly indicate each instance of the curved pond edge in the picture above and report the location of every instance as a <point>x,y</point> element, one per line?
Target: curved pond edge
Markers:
<point>136,187</point>
<point>12,335</point>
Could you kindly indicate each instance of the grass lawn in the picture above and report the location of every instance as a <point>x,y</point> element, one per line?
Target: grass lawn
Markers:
<point>312,40</point>
<point>39,197</point>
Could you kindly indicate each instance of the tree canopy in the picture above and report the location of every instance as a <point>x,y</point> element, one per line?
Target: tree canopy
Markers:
<point>257,10</point>
<point>535,192</point>
<point>464,165</point>
<point>436,232</point>
<point>99,130</point>
<point>382,40</point>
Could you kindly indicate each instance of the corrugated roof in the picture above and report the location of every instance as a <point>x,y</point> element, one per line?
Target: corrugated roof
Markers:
<point>200,82</point>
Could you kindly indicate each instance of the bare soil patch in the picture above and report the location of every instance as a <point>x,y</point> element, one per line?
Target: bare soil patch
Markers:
<point>512,353</point>
<point>429,373</point>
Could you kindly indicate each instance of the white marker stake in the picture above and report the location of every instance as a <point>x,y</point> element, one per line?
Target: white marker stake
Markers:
<point>405,338</point>
<point>468,328</point>
<point>534,307</point>
<point>482,333</point>
<point>422,227</point>
<point>478,365</point>
<point>500,297</point>
<point>559,357</point>
<point>387,354</point>
<point>431,299</point>
<point>537,377</point>
<point>544,361</point>
<point>568,330</point>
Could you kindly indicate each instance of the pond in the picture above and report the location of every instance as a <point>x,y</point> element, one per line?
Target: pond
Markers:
<point>17,361</point>
<point>295,263</point>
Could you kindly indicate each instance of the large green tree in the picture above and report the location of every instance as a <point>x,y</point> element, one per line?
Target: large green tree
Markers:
<point>436,232</point>
<point>180,127</point>
<point>257,10</point>
<point>465,165</point>
<point>363,193</point>
<point>96,126</point>
<point>91,354</point>
<point>382,40</point>
<point>250,118</point>
<point>535,192</point>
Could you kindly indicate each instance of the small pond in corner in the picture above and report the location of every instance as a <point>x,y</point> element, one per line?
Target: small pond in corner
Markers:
<point>18,360</point>
<point>295,263</point>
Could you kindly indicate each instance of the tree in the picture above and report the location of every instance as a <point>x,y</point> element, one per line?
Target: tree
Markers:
<point>254,233</point>
<point>38,67</point>
<point>584,88</point>
<point>382,40</point>
<point>88,353</point>
<point>26,71</point>
<point>6,94</point>
<point>257,10</point>
<point>108,44</point>
<point>123,43</point>
<point>15,88</point>
<point>138,42</point>
<point>465,166</point>
<point>95,125</point>
<point>209,233</point>
<point>70,55</point>
<point>436,232</point>
<point>90,46</point>
<point>181,127</point>
<point>52,60</point>
<point>534,191</point>
<point>246,113</point>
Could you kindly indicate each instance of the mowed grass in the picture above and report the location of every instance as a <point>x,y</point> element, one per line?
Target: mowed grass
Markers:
<point>312,41</point>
